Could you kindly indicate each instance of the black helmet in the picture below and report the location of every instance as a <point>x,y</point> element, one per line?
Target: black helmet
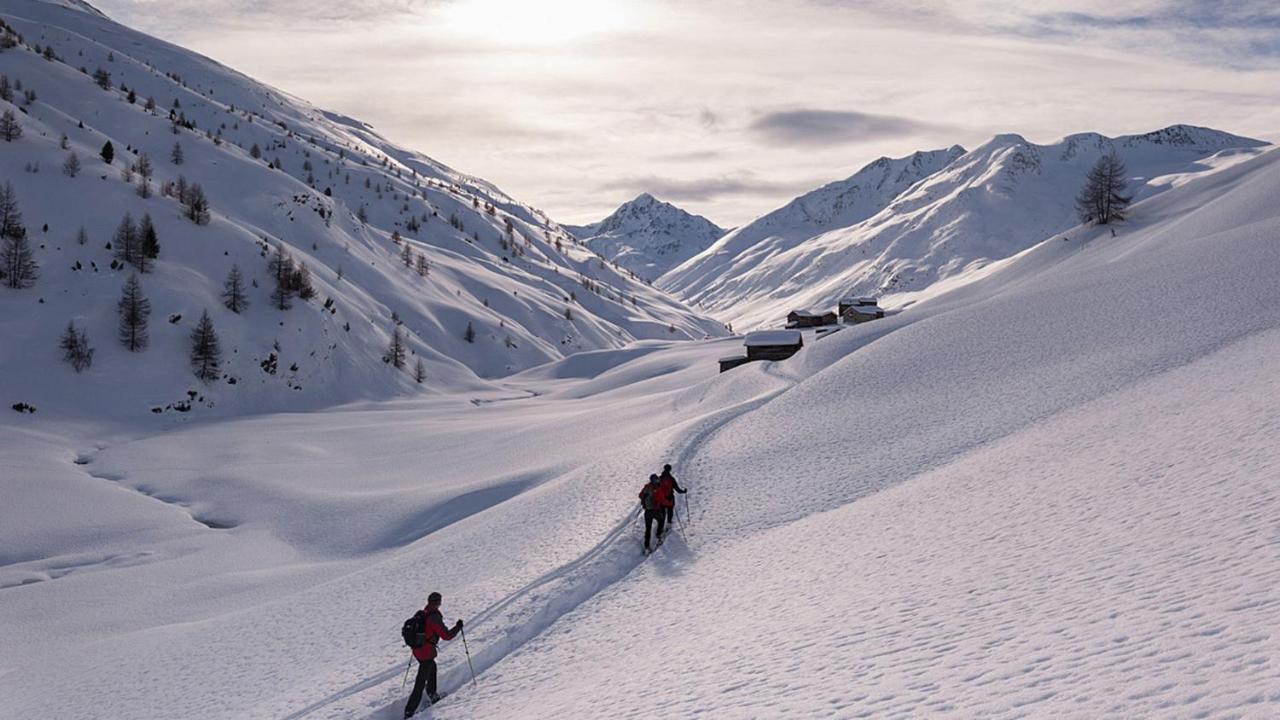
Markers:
<point>666,468</point>
<point>434,598</point>
<point>653,478</point>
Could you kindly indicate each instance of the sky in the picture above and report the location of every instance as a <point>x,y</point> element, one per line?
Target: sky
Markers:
<point>730,109</point>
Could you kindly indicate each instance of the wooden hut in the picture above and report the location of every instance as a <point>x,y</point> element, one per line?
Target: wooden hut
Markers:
<point>861,313</point>
<point>855,301</point>
<point>773,344</point>
<point>810,318</point>
<point>729,363</point>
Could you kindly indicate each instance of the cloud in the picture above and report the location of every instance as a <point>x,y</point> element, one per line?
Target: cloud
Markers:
<point>807,126</point>
<point>698,189</point>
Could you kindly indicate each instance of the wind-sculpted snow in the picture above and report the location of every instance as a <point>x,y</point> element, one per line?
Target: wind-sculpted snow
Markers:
<point>955,216</point>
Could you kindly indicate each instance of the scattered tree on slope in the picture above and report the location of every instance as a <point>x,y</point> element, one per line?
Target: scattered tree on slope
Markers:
<point>134,310</point>
<point>1102,199</point>
<point>206,357</point>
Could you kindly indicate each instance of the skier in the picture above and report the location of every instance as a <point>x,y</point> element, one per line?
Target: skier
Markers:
<point>433,630</point>
<point>652,502</point>
<point>668,481</point>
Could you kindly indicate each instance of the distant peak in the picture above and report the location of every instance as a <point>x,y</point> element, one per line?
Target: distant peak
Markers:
<point>644,198</point>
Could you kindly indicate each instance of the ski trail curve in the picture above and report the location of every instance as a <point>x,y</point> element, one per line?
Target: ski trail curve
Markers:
<point>530,613</point>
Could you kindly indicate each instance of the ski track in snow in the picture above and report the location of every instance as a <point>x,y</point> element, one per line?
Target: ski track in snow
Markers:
<point>612,559</point>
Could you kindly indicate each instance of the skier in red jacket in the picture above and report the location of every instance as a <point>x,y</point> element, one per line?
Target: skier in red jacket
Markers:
<point>653,502</point>
<point>434,631</point>
<point>668,482</point>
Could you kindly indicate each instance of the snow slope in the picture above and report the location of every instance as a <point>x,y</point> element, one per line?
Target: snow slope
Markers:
<point>989,505</point>
<point>966,210</point>
<point>648,236</point>
<point>530,292</point>
<point>1048,491</point>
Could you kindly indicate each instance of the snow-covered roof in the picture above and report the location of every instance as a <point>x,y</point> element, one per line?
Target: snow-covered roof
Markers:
<point>865,309</point>
<point>732,358</point>
<point>772,337</point>
<point>859,300</point>
<point>812,313</point>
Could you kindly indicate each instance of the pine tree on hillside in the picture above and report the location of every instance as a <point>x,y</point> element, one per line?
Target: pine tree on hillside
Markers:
<point>1102,199</point>
<point>75,348</point>
<point>18,268</point>
<point>255,152</point>
<point>281,269</point>
<point>406,255</point>
<point>206,357</point>
<point>396,351</point>
<point>233,296</point>
<point>197,205</point>
<point>10,215</point>
<point>149,243</point>
<point>302,283</point>
<point>82,237</point>
<point>108,152</point>
<point>176,156</point>
<point>103,78</point>
<point>71,166</point>
<point>470,333</point>
<point>134,310</point>
<point>10,128</point>
<point>423,267</point>
<point>6,88</point>
<point>419,371</point>
<point>127,243</point>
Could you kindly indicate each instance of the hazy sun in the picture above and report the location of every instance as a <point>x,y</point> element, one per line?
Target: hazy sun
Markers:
<point>526,21</point>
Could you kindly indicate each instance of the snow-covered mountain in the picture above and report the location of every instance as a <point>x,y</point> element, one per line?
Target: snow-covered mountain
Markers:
<point>1048,493</point>
<point>391,238</point>
<point>648,236</point>
<point>945,214</point>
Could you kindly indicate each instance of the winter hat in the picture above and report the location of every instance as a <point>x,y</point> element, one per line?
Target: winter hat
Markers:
<point>653,478</point>
<point>434,598</point>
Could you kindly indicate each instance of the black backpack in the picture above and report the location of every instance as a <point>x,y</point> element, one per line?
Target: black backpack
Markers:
<point>414,630</point>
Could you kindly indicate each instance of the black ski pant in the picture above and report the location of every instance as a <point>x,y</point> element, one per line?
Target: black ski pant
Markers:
<point>426,676</point>
<point>670,510</point>
<point>650,516</point>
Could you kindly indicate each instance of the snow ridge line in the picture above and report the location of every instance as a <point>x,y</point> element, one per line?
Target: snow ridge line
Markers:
<point>598,568</point>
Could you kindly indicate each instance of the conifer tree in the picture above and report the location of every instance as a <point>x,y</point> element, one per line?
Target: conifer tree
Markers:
<point>18,268</point>
<point>406,255</point>
<point>75,348</point>
<point>281,269</point>
<point>10,214</point>
<point>82,237</point>
<point>419,371</point>
<point>71,166</point>
<point>255,152</point>
<point>176,156</point>
<point>149,243</point>
<point>108,152</point>
<point>197,205</point>
<point>422,265</point>
<point>470,333</point>
<point>233,296</point>
<point>1102,199</point>
<point>10,128</point>
<point>396,351</point>
<point>126,242</point>
<point>134,310</point>
<point>206,356</point>
<point>302,283</point>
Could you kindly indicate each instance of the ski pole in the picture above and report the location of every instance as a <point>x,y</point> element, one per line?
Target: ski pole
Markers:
<point>406,672</point>
<point>463,631</point>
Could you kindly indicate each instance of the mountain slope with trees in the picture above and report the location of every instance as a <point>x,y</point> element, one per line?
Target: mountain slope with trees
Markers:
<point>132,155</point>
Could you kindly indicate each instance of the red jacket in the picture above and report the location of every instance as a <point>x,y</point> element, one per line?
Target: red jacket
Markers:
<point>662,495</point>
<point>435,630</point>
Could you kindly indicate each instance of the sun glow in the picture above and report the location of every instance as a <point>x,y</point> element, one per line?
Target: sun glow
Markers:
<point>527,22</point>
